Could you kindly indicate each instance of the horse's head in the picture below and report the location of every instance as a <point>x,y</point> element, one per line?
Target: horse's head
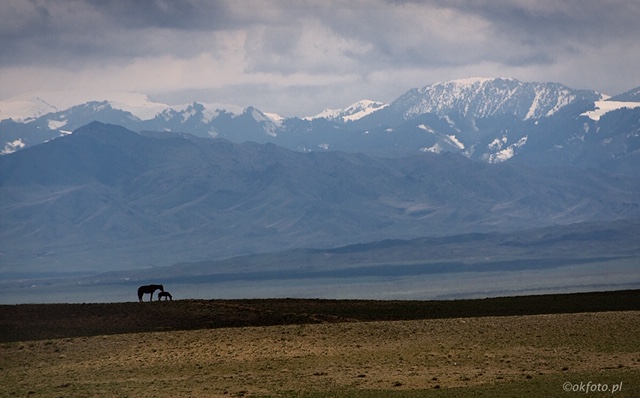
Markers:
<point>161,288</point>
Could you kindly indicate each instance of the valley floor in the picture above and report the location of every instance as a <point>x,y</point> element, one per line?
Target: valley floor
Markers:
<point>523,355</point>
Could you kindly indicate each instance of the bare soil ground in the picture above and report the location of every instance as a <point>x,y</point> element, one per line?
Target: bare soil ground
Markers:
<point>317,348</point>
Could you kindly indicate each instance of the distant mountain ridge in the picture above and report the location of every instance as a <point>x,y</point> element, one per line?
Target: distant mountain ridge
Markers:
<point>492,120</point>
<point>107,198</point>
<point>632,95</point>
<point>581,243</point>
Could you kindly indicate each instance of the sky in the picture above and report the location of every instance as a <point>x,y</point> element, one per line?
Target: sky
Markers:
<point>297,58</point>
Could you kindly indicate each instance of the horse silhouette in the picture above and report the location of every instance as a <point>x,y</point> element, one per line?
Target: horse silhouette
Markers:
<point>148,289</point>
<point>166,295</point>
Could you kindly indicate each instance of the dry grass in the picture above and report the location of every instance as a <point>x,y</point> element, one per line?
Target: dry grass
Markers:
<point>493,356</point>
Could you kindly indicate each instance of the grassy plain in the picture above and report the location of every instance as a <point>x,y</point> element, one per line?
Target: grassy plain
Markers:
<point>318,348</point>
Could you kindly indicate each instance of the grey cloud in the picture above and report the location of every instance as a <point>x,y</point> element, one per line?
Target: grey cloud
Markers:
<point>394,33</point>
<point>265,42</point>
<point>510,32</point>
<point>175,14</point>
<point>547,21</point>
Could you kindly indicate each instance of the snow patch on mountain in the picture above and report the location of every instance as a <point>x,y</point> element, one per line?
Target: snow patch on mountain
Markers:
<point>56,124</point>
<point>498,143</point>
<point>436,148</point>
<point>455,141</point>
<point>275,118</point>
<point>604,107</point>
<point>426,128</point>
<point>11,147</point>
<point>506,153</point>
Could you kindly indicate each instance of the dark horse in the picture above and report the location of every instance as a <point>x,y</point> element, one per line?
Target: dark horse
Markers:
<point>166,295</point>
<point>149,289</point>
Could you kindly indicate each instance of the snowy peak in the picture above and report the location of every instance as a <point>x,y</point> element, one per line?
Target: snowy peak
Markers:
<point>25,108</point>
<point>268,122</point>
<point>360,109</point>
<point>484,97</point>
<point>184,113</point>
<point>138,104</point>
<point>29,107</point>
<point>353,112</point>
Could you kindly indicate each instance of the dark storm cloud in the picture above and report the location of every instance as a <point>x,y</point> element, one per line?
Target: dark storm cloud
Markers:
<point>165,14</point>
<point>544,21</point>
<point>69,31</point>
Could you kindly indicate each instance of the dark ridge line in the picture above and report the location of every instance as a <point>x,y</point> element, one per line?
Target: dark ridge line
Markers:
<point>24,322</point>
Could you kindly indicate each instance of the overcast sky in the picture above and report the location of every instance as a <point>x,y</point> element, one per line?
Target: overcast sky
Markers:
<point>296,59</point>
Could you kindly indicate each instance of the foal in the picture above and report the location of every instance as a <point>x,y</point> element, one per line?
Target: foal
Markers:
<point>166,295</point>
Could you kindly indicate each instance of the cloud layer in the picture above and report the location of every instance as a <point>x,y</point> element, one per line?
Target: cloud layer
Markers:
<point>294,59</point>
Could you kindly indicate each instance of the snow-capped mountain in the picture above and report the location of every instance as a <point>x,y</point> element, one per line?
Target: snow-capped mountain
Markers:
<point>137,113</point>
<point>483,97</point>
<point>490,120</point>
<point>353,112</point>
<point>497,120</point>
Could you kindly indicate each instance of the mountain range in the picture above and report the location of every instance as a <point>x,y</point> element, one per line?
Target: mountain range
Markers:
<point>491,120</point>
<point>107,198</point>
<point>109,186</point>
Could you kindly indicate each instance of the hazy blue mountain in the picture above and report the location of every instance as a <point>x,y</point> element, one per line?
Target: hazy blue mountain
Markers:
<point>107,198</point>
<point>632,95</point>
<point>531,249</point>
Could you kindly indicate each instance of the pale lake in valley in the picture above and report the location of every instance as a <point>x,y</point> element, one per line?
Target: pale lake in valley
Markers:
<point>610,275</point>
